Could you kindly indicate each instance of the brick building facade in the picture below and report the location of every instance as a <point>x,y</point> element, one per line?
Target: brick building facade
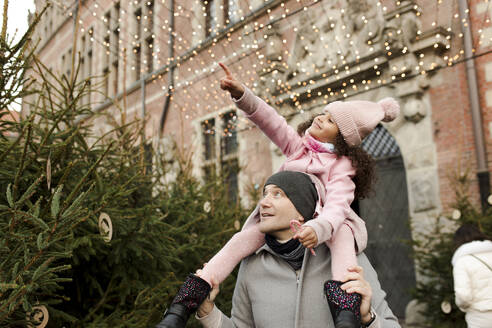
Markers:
<point>298,55</point>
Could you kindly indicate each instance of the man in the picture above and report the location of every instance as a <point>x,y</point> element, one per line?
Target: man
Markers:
<point>281,285</point>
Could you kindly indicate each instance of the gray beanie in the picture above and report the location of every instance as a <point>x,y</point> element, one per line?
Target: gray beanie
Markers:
<point>299,188</point>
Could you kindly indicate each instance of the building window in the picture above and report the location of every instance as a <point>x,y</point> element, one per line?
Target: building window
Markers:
<point>210,18</point>
<point>82,58</point>
<point>230,11</point>
<point>220,151</point>
<point>230,171</point>
<point>149,35</point>
<point>107,54</point>
<point>149,48</point>
<point>142,155</point>
<point>229,133</point>
<point>63,63</point>
<point>136,53</point>
<point>106,81</point>
<point>66,63</point>
<point>82,68</point>
<point>136,48</point>
<point>149,16</point>
<point>143,43</point>
<point>208,132</point>
<point>115,74</point>
<point>107,34</point>
<point>115,27</point>
<point>69,63</point>
<point>88,62</point>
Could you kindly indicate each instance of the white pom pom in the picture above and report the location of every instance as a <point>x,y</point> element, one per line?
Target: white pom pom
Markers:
<point>391,109</point>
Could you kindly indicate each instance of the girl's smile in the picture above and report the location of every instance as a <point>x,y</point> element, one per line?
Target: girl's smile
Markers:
<point>323,128</point>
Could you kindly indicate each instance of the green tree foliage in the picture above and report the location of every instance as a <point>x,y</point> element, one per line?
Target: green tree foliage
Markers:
<point>57,177</point>
<point>433,255</point>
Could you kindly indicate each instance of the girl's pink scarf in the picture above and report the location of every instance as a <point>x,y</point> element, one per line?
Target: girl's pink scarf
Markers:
<point>317,146</point>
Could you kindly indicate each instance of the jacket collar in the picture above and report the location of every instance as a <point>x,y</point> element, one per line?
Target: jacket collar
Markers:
<point>266,248</point>
<point>474,247</point>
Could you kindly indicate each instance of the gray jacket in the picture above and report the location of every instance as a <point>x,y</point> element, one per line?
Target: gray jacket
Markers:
<point>270,294</point>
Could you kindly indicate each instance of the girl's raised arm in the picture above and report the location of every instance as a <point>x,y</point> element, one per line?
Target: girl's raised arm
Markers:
<point>264,116</point>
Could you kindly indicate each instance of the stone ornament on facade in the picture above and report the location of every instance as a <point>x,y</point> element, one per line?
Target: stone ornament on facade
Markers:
<point>414,110</point>
<point>402,29</point>
<point>274,44</point>
<point>363,19</point>
<point>271,76</point>
<point>359,35</point>
<point>420,158</point>
<point>38,317</point>
<point>309,51</point>
<point>105,227</point>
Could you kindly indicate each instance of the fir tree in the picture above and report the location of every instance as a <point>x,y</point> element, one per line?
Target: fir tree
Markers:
<point>433,253</point>
<point>58,177</point>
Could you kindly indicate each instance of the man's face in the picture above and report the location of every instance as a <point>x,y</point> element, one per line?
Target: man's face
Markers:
<point>276,211</point>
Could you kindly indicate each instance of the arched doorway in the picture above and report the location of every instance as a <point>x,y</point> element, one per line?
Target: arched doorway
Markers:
<point>387,219</point>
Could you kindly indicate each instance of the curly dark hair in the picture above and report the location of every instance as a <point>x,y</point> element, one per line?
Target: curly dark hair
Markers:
<point>362,162</point>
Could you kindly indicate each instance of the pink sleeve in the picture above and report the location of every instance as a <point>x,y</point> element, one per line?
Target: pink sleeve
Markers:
<point>339,195</point>
<point>270,122</point>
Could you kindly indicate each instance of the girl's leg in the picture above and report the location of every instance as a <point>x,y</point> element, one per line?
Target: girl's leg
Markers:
<point>342,249</point>
<point>195,289</point>
<point>242,244</point>
<point>344,307</point>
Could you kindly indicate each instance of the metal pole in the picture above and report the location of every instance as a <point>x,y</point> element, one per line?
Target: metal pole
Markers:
<point>483,174</point>
<point>170,87</point>
<point>142,88</point>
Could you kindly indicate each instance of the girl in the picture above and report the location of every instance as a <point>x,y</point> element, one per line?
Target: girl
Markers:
<point>328,146</point>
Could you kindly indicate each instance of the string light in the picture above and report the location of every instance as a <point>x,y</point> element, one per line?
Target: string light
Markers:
<point>197,74</point>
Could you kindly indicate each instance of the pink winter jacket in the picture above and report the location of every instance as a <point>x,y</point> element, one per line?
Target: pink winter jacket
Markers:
<point>337,188</point>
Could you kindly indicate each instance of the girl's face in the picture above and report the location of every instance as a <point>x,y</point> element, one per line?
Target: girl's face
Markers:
<point>323,128</point>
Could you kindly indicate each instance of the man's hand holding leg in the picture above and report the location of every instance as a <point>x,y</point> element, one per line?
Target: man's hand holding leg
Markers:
<point>208,304</point>
<point>355,283</point>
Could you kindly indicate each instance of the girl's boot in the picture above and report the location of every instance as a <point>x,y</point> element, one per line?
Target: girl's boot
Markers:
<point>190,295</point>
<point>344,307</point>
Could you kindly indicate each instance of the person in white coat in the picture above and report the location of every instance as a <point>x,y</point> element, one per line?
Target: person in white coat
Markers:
<point>472,274</point>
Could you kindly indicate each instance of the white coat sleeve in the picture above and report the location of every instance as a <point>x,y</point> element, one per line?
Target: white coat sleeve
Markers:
<point>462,285</point>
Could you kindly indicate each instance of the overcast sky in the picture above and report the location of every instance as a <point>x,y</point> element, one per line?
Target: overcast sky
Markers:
<point>17,21</point>
<point>17,16</point>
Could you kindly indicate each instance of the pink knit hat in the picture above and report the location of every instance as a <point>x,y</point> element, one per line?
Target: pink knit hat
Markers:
<point>356,119</point>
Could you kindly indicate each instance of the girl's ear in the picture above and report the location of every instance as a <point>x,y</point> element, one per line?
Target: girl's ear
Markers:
<point>300,219</point>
